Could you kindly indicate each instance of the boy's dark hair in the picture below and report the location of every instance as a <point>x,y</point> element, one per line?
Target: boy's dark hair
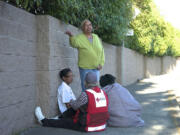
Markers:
<point>64,72</point>
<point>107,79</point>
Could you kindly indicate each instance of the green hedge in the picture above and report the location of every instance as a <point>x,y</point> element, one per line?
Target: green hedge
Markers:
<point>109,17</point>
<point>111,20</point>
<point>152,35</point>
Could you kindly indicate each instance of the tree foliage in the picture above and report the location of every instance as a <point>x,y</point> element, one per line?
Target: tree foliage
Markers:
<point>153,36</point>
<point>110,18</point>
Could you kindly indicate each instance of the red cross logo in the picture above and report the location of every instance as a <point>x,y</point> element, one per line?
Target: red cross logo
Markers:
<point>97,99</point>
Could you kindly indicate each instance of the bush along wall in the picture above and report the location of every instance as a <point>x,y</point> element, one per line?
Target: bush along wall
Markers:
<point>153,36</point>
<point>111,19</point>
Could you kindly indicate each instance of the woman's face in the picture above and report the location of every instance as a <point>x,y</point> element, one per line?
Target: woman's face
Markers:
<point>87,27</point>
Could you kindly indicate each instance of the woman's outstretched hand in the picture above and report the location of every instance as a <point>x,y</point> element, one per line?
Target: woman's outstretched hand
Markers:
<point>69,33</point>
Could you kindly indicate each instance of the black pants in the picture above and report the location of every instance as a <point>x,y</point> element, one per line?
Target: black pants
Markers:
<point>69,113</point>
<point>62,123</point>
<point>66,121</point>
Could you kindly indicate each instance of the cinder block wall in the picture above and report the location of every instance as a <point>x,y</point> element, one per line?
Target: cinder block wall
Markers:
<point>17,69</point>
<point>33,49</point>
<point>153,66</point>
<point>110,66</point>
<point>132,66</point>
<point>168,64</point>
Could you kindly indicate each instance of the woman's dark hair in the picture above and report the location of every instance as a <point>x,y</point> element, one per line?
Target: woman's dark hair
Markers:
<point>107,79</point>
<point>64,72</point>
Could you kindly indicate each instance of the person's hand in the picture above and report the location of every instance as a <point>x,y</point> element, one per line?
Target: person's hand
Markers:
<point>99,67</point>
<point>68,105</point>
<point>68,33</point>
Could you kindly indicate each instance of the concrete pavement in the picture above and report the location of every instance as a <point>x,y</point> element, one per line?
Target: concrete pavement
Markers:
<point>160,111</point>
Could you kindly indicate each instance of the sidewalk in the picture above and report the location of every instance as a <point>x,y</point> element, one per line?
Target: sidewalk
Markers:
<point>160,110</point>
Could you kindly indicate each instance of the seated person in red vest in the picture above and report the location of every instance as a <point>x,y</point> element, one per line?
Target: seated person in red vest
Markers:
<point>124,110</point>
<point>91,110</point>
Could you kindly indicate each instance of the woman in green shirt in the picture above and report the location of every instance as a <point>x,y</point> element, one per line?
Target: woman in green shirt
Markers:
<point>90,51</point>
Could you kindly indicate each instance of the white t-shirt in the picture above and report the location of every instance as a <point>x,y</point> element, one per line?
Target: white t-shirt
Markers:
<point>65,94</point>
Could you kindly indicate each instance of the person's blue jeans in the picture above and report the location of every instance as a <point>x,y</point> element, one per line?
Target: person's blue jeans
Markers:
<point>83,73</point>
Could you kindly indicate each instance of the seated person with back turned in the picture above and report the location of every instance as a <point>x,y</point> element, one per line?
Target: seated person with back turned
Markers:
<point>123,109</point>
<point>91,110</point>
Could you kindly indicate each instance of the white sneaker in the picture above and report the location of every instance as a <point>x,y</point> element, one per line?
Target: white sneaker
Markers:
<point>55,118</point>
<point>39,114</point>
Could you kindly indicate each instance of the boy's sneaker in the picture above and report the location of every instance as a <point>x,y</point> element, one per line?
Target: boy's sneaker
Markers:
<point>39,114</point>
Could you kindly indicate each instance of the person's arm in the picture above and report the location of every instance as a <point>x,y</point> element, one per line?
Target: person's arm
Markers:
<point>102,60</point>
<point>72,39</point>
<point>66,97</point>
<point>69,33</point>
<point>102,57</point>
<point>82,100</point>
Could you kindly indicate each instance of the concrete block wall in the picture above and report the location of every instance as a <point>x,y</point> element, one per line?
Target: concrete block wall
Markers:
<point>153,66</point>
<point>168,64</point>
<point>132,66</point>
<point>110,66</point>
<point>176,70</point>
<point>17,69</point>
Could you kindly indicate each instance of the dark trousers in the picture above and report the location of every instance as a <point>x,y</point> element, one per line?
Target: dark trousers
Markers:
<point>66,121</point>
<point>69,113</point>
<point>63,123</point>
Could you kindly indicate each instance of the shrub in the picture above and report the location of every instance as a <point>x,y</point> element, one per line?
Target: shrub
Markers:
<point>153,36</point>
<point>109,17</point>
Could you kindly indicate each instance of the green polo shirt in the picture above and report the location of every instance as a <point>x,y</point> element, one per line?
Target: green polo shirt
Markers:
<point>90,55</point>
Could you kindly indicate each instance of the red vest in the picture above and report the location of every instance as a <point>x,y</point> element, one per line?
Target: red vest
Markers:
<point>97,110</point>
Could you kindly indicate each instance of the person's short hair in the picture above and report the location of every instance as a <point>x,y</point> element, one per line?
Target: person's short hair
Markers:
<point>64,72</point>
<point>107,79</point>
<point>91,78</point>
<point>83,23</point>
